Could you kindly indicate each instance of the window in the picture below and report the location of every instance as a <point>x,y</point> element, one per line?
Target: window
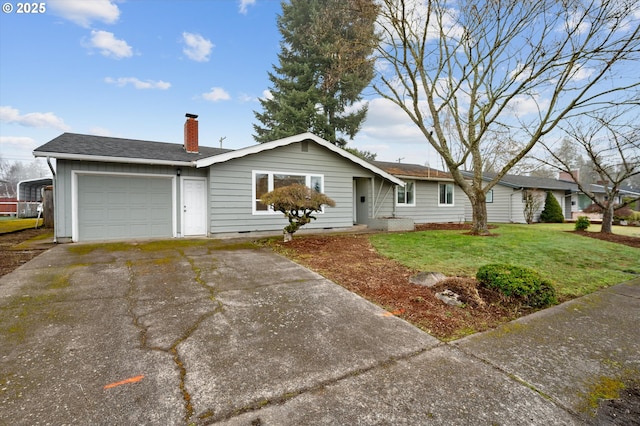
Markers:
<point>489,198</point>
<point>264,182</point>
<point>446,194</point>
<point>406,194</point>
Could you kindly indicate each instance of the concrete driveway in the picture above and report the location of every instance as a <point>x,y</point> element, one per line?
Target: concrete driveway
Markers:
<point>203,332</point>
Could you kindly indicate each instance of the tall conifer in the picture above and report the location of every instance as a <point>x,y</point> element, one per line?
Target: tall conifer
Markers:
<point>325,63</point>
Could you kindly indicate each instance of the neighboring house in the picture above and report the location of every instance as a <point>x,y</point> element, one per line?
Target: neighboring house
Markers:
<point>580,201</point>
<point>506,200</point>
<point>111,188</point>
<point>429,195</point>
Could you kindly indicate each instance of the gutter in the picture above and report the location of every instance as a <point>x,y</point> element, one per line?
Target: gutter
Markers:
<point>106,159</point>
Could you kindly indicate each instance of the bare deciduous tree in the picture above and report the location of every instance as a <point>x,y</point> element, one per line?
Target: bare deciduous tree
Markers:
<point>611,143</point>
<point>532,204</point>
<point>503,70</point>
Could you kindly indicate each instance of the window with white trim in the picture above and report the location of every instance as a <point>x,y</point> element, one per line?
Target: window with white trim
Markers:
<point>406,194</point>
<point>264,181</point>
<point>489,197</point>
<point>445,191</point>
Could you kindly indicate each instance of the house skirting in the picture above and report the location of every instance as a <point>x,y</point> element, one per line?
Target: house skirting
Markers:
<point>392,224</point>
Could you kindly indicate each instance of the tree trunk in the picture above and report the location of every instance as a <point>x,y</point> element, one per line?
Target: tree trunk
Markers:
<point>288,236</point>
<point>479,206</point>
<point>607,220</point>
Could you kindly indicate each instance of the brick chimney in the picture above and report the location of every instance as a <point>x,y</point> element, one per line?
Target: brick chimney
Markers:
<point>191,134</point>
<point>569,177</point>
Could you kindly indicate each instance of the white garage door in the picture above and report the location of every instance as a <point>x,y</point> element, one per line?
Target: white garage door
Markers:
<point>123,207</point>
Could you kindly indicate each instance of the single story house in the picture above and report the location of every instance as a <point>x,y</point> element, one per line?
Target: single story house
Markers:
<point>506,200</point>
<point>112,188</point>
<point>581,201</point>
<point>429,195</point>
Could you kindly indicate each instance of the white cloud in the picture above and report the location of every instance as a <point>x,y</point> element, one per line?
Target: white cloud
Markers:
<point>83,12</point>
<point>197,47</point>
<point>109,45</point>
<point>33,119</point>
<point>244,5</point>
<point>244,98</point>
<point>386,120</point>
<point>137,83</point>
<point>266,94</point>
<point>17,141</point>
<point>582,73</point>
<point>523,105</point>
<point>216,94</point>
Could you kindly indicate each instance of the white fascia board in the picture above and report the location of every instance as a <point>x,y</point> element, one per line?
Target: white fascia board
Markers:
<point>254,149</point>
<point>107,159</point>
<point>425,178</point>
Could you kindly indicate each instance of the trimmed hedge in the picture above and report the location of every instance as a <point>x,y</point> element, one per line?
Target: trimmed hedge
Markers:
<point>522,284</point>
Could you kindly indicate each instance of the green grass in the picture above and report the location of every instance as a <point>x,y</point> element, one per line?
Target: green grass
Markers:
<point>575,264</point>
<point>13,225</point>
<point>630,231</point>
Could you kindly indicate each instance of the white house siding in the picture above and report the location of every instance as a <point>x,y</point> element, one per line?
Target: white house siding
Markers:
<point>63,188</point>
<point>231,191</point>
<point>426,208</point>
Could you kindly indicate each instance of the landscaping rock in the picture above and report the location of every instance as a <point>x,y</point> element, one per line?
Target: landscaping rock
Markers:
<point>427,279</point>
<point>450,298</point>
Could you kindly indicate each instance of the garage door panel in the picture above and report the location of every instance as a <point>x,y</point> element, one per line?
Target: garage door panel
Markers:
<point>122,207</point>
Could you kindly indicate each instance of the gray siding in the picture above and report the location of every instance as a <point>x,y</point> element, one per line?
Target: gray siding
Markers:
<point>508,206</point>
<point>427,210</point>
<point>230,187</point>
<point>63,195</point>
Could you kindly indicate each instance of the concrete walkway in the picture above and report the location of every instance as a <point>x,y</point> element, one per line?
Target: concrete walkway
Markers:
<point>208,332</point>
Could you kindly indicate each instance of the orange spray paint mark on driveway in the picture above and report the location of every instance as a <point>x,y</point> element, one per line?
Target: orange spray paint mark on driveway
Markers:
<point>390,314</point>
<point>125,381</point>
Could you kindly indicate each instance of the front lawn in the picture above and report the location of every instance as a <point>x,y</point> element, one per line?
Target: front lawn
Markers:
<point>13,225</point>
<point>576,265</point>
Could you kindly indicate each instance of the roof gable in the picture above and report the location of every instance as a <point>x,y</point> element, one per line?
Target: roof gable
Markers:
<point>255,149</point>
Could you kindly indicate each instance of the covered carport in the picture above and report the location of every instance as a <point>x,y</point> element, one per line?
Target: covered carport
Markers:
<point>30,195</point>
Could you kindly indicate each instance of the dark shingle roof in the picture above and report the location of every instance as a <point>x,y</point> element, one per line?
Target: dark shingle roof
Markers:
<point>531,182</point>
<point>411,170</point>
<point>101,146</point>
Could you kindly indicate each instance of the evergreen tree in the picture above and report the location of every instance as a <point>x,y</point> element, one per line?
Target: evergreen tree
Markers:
<point>324,64</point>
<point>552,212</point>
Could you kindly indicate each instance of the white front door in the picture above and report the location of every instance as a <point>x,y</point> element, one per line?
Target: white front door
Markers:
<point>194,206</point>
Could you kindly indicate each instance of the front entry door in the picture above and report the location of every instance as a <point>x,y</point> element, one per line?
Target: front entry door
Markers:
<point>194,210</point>
<point>361,200</point>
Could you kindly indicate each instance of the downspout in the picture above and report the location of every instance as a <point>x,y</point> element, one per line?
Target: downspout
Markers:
<point>53,173</point>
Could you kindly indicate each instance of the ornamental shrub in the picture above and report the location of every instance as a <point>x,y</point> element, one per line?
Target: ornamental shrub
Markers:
<point>521,284</point>
<point>552,212</point>
<point>298,203</point>
<point>582,223</point>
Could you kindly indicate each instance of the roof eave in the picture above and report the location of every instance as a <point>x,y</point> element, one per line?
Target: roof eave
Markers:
<point>109,159</point>
<point>425,178</point>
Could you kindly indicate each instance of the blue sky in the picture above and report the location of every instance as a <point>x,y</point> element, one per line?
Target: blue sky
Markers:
<point>132,69</point>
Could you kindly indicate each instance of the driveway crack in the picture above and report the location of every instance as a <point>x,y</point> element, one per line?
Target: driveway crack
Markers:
<point>132,303</point>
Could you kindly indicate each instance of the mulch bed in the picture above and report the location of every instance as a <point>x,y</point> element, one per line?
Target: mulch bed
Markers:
<point>352,262</point>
